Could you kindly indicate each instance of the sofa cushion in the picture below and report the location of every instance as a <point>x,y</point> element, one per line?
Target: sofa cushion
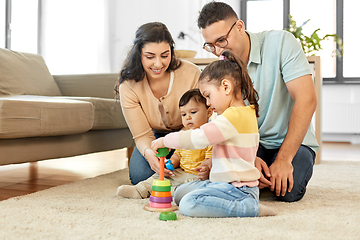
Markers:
<point>33,116</point>
<point>25,74</point>
<point>108,113</point>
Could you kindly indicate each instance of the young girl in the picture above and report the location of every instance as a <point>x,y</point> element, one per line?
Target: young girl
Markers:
<point>232,190</point>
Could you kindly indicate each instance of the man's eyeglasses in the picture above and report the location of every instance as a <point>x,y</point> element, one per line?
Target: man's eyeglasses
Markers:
<point>220,42</point>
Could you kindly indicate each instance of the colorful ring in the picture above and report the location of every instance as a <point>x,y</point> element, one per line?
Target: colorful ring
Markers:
<point>166,216</point>
<point>161,199</point>
<point>160,205</point>
<point>162,183</point>
<point>160,194</point>
<point>162,152</point>
<point>161,188</point>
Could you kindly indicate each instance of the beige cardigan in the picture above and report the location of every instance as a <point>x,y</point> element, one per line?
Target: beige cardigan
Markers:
<point>141,107</point>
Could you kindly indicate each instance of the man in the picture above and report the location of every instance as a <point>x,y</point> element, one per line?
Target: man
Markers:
<point>281,75</point>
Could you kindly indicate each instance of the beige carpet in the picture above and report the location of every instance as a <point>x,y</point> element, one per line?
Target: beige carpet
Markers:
<point>89,209</point>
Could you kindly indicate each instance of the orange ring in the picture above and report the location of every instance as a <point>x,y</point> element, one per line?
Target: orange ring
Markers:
<point>160,194</point>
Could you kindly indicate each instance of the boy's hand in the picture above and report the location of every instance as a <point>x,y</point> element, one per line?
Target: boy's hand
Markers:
<point>263,168</point>
<point>204,169</point>
<point>158,143</point>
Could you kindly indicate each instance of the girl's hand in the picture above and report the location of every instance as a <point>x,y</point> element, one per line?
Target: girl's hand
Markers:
<point>154,162</point>
<point>158,143</point>
<point>263,168</point>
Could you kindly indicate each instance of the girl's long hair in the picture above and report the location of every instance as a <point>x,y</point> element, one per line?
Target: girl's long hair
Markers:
<point>153,32</point>
<point>232,67</point>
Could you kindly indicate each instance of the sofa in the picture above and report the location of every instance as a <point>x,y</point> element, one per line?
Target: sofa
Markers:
<point>45,117</point>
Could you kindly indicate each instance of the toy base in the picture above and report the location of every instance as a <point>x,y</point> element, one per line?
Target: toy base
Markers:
<point>152,209</point>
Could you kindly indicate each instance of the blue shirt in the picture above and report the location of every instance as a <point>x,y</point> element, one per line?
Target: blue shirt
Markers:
<point>275,59</point>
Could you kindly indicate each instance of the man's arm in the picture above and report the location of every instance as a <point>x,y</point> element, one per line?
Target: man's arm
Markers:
<point>302,91</point>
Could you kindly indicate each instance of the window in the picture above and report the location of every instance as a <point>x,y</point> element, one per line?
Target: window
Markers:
<point>24,25</point>
<point>302,13</point>
<point>75,40</point>
<point>259,11</point>
<point>2,23</point>
<point>351,68</point>
<point>69,44</point>
<point>333,16</point>
<point>21,34</point>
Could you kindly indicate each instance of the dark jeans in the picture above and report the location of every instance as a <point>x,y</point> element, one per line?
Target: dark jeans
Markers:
<point>303,163</point>
<point>139,167</point>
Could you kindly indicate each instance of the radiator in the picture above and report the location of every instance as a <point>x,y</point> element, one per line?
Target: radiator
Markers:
<point>341,118</point>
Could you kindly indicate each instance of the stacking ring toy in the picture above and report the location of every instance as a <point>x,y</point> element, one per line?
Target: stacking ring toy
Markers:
<point>161,199</point>
<point>167,216</point>
<point>163,183</point>
<point>161,188</point>
<point>160,205</point>
<point>160,194</point>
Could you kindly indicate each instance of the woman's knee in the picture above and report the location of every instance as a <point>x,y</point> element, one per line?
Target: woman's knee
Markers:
<point>139,168</point>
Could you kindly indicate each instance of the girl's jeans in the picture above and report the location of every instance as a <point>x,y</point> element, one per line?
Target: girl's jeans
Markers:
<point>218,199</point>
<point>303,163</point>
<point>139,167</point>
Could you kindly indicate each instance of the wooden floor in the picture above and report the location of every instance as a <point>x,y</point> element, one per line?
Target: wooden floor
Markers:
<point>21,179</point>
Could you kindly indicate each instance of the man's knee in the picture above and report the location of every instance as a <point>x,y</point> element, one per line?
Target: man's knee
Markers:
<point>293,196</point>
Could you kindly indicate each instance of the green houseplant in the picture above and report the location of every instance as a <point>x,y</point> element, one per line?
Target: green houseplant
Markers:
<point>312,44</point>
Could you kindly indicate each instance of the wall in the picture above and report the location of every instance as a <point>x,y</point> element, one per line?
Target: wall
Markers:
<point>341,113</point>
<point>126,16</point>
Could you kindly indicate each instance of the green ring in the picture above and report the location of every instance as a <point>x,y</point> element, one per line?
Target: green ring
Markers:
<point>161,188</point>
<point>162,152</point>
<point>166,216</point>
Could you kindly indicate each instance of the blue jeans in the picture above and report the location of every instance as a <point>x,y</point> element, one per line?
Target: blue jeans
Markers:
<point>139,167</point>
<point>303,163</point>
<point>218,199</point>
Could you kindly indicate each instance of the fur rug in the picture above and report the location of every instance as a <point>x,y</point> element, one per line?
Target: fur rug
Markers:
<point>89,209</point>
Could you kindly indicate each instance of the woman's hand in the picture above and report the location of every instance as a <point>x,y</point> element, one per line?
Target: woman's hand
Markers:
<point>263,168</point>
<point>154,162</point>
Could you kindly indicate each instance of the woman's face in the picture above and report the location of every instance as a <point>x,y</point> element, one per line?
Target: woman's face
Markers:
<point>155,59</point>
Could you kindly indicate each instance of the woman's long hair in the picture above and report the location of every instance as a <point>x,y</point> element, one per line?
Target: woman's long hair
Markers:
<point>153,32</point>
<point>232,67</point>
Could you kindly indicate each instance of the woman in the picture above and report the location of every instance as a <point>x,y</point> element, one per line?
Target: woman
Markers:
<point>150,84</point>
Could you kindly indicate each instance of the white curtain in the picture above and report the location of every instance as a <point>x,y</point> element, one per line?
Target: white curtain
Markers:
<point>75,36</point>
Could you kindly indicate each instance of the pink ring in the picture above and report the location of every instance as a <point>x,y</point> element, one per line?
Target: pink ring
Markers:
<point>160,205</point>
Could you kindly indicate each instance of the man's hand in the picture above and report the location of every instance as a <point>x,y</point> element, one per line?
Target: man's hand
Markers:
<point>263,168</point>
<point>155,162</point>
<point>281,176</point>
